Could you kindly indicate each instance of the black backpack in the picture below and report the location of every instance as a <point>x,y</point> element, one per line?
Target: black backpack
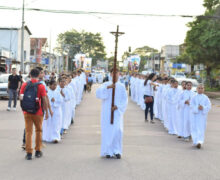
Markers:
<point>29,102</point>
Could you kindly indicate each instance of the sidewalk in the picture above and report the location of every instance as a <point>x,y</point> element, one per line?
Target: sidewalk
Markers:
<point>213,95</point>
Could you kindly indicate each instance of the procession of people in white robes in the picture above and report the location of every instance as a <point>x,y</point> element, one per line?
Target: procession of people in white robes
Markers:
<point>63,97</point>
<point>182,111</point>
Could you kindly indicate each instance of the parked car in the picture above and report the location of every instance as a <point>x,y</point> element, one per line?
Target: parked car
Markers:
<point>179,75</point>
<point>4,85</point>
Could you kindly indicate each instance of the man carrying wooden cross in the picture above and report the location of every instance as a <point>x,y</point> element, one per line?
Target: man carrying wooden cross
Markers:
<point>112,131</point>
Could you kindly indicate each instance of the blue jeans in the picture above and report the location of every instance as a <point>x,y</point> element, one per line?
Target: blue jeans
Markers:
<point>149,106</point>
<point>12,95</point>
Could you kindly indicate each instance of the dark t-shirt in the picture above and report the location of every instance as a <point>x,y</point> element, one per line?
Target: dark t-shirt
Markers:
<point>14,80</point>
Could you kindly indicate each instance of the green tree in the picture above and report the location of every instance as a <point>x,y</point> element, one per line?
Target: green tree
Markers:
<point>203,40</point>
<point>73,42</point>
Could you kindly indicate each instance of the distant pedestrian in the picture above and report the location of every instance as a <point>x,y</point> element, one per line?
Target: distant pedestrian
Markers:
<point>31,95</point>
<point>14,83</point>
<point>89,83</point>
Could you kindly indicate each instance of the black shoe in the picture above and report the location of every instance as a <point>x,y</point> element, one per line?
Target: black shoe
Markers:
<point>38,154</point>
<point>118,156</point>
<point>28,156</point>
<point>55,141</point>
<point>72,121</point>
<point>23,146</point>
<point>198,146</point>
<point>108,156</point>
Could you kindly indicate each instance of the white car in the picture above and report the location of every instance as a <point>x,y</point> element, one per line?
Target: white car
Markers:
<point>4,85</point>
<point>179,75</point>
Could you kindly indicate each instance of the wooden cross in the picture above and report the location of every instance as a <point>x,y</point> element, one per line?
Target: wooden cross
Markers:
<point>116,34</point>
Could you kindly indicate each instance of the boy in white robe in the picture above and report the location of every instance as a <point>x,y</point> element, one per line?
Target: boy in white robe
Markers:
<point>172,102</point>
<point>112,133</point>
<point>180,119</point>
<point>54,123</point>
<point>200,106</point>
<point>65,105</point>
<point>185,104</point>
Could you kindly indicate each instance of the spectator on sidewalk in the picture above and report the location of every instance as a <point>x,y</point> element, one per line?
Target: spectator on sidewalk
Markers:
<point>14,83</point>
<point>34,118</point>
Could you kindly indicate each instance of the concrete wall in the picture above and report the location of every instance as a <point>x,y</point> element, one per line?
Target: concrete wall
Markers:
<point>26,45</point>
<point>9,41</point>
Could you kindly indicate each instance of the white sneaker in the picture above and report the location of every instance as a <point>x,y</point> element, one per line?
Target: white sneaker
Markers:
<point>8,109</point>
<point>14,109</point>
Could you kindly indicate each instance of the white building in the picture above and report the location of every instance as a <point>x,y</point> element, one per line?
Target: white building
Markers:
<point>169,52</point>
<point>10,40</point>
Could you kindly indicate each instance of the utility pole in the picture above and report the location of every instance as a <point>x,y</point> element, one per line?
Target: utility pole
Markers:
<point>116,34</point>
<point>22,40</point>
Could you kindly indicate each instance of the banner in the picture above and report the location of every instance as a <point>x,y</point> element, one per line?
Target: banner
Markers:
<point>79,60</point>
<point>87,64</point>
<point>134,63</point>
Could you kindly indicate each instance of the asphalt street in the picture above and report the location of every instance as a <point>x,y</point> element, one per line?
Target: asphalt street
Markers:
<point>148,151</point>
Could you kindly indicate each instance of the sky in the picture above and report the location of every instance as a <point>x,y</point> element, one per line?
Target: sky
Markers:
<point>139,30</point>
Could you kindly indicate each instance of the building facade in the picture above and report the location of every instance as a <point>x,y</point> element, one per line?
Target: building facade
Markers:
<point>10,41</point>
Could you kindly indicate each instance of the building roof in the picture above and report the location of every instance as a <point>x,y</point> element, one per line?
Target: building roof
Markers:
<point>16,28</point>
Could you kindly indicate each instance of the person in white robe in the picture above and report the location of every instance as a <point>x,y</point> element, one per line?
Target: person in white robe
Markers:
<point>72,100</point>
<point>200,106</point>
<point>180,118</point>
<point>54,123</point>
<point>112,134</point>
<point>65,105</point>
<point>165,104</point>
<point>163,98</point>
<point>185,100</point>
<point>172,102</point>
<point>157,98</point>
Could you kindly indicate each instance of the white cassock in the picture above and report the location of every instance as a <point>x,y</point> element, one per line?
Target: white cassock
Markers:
<point>165,107</point>
<point>136,90</point>
<point>112,133</point>
<point>159,104</point>
<point>132,88</point>
<point>172,102</point>
<point>156,101</point>
<point>143,105</point>
<point>65,107</point>
<point>198,121</point>
<point>54,123</point>
<point>78,83</point>
<point>180,117</point>
<point>72,101</point>
<point>186,95</point>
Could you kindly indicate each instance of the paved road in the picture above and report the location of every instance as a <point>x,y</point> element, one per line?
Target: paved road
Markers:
<point>149,152</point>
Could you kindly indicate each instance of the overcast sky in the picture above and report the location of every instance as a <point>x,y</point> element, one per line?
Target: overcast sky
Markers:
<point>139,30</point>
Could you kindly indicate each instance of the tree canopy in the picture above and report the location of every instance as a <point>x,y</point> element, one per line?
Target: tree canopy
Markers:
<point>202,43</point>
<point>73,42</point>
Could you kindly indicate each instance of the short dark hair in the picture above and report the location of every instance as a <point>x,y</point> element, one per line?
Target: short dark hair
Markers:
<point>188,82</point>
<point>52,82</point>
<point>34,73</point>
<point>39,68</point>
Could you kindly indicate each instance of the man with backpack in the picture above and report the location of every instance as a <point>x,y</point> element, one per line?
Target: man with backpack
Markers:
<point>33,102</point>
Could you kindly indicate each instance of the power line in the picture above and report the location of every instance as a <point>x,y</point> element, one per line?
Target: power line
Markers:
<point>94,12</point>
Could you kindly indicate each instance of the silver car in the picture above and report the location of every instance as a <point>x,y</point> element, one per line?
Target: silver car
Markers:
<point>4,85</point>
